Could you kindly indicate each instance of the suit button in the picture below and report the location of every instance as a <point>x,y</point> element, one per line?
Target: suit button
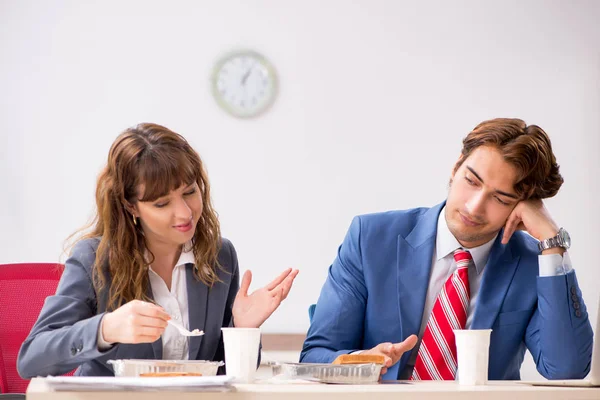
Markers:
<point>573,290</point>
<point>73,351</point>
<point>578,313</point>
<point>576,305</point>
<point>574,297</point>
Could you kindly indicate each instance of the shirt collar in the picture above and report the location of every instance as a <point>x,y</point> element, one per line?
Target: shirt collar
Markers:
<point>186,256</point>
<point>446,243</point>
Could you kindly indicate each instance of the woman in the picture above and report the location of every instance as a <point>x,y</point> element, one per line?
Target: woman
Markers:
<point>154,253</point>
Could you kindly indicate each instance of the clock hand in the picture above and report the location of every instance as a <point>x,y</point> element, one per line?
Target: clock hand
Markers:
<point>247,74</point>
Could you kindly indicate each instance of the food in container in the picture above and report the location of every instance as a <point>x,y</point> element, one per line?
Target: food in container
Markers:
<point>168,374</point>
<point>134,367</point>
<point>359,359</point>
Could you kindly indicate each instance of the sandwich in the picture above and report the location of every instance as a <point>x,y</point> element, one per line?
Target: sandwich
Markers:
<point>345,359</point>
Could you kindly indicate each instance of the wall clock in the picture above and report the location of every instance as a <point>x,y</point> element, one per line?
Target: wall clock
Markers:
<point>244,83</point>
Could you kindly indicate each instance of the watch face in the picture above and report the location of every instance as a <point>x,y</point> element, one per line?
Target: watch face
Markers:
<point>244,84</point>
<point>565,237</point>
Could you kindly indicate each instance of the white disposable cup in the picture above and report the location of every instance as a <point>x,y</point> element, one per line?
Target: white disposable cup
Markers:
<point>472,353</point>
<point>241,352</point>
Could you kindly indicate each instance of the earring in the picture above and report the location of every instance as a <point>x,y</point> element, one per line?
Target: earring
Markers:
<point>134,219</point>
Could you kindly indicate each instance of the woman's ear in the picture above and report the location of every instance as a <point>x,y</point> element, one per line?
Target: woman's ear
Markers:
<point>131,209</point>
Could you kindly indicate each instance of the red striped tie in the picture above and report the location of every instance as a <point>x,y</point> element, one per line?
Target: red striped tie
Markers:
<point>436,359</point>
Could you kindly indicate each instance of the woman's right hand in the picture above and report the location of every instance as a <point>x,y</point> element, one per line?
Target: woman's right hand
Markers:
<point>134,322</point>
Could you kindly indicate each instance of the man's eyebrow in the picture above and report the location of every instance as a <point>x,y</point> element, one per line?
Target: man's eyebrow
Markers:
<point>512,196</point>
<point>475,173</point>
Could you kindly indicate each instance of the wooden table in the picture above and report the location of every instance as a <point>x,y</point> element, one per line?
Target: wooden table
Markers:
<point>38,390</point>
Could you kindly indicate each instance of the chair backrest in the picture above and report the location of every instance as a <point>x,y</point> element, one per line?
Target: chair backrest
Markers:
<point>23,289</point>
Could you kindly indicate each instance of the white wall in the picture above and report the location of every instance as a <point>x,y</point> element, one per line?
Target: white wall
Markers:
<point>375,99</point>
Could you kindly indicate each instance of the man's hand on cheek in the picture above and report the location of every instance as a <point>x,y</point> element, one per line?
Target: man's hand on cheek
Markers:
<point>533,217</point>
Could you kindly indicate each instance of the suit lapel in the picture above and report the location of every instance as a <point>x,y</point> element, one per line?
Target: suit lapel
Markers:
<point>197,305</point>
<point>415,253</point>
<point>157,346</point>
<point>497,277</point>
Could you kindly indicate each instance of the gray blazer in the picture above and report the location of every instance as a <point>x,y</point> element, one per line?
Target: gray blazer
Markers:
<point>64,336</point>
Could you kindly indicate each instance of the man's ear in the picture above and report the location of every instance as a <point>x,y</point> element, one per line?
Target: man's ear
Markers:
<point>456,166</point>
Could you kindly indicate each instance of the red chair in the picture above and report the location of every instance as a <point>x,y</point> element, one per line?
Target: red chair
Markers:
<point>23,289</point>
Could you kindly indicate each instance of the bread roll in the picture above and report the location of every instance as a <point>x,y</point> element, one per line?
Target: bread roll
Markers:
<point>359,359</point>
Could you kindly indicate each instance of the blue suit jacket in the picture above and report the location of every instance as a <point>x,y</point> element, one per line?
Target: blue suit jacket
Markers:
<point>376,287</point>
<point>65,334</point>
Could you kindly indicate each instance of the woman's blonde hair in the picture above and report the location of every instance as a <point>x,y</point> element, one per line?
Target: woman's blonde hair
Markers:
<point>160,160</point>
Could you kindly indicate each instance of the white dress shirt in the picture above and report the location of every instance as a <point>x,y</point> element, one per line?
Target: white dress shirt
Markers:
<point>443,266</point>
<point>175,303</point>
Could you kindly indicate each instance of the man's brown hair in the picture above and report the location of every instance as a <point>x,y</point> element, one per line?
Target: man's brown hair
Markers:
<point>527,148</point>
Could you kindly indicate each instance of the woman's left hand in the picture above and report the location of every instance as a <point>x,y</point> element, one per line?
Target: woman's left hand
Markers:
<point>250,311</point>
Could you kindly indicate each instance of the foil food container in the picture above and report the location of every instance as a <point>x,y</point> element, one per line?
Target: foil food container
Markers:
<point>355,374</point>
<point>134,367</point>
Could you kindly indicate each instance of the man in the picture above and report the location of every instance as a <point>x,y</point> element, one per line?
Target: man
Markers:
<point>404,280</point>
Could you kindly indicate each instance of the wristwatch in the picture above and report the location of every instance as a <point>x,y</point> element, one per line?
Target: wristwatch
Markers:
<point>562,239</point>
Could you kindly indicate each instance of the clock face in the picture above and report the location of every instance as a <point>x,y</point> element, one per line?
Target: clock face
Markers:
<point>244,84</point>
